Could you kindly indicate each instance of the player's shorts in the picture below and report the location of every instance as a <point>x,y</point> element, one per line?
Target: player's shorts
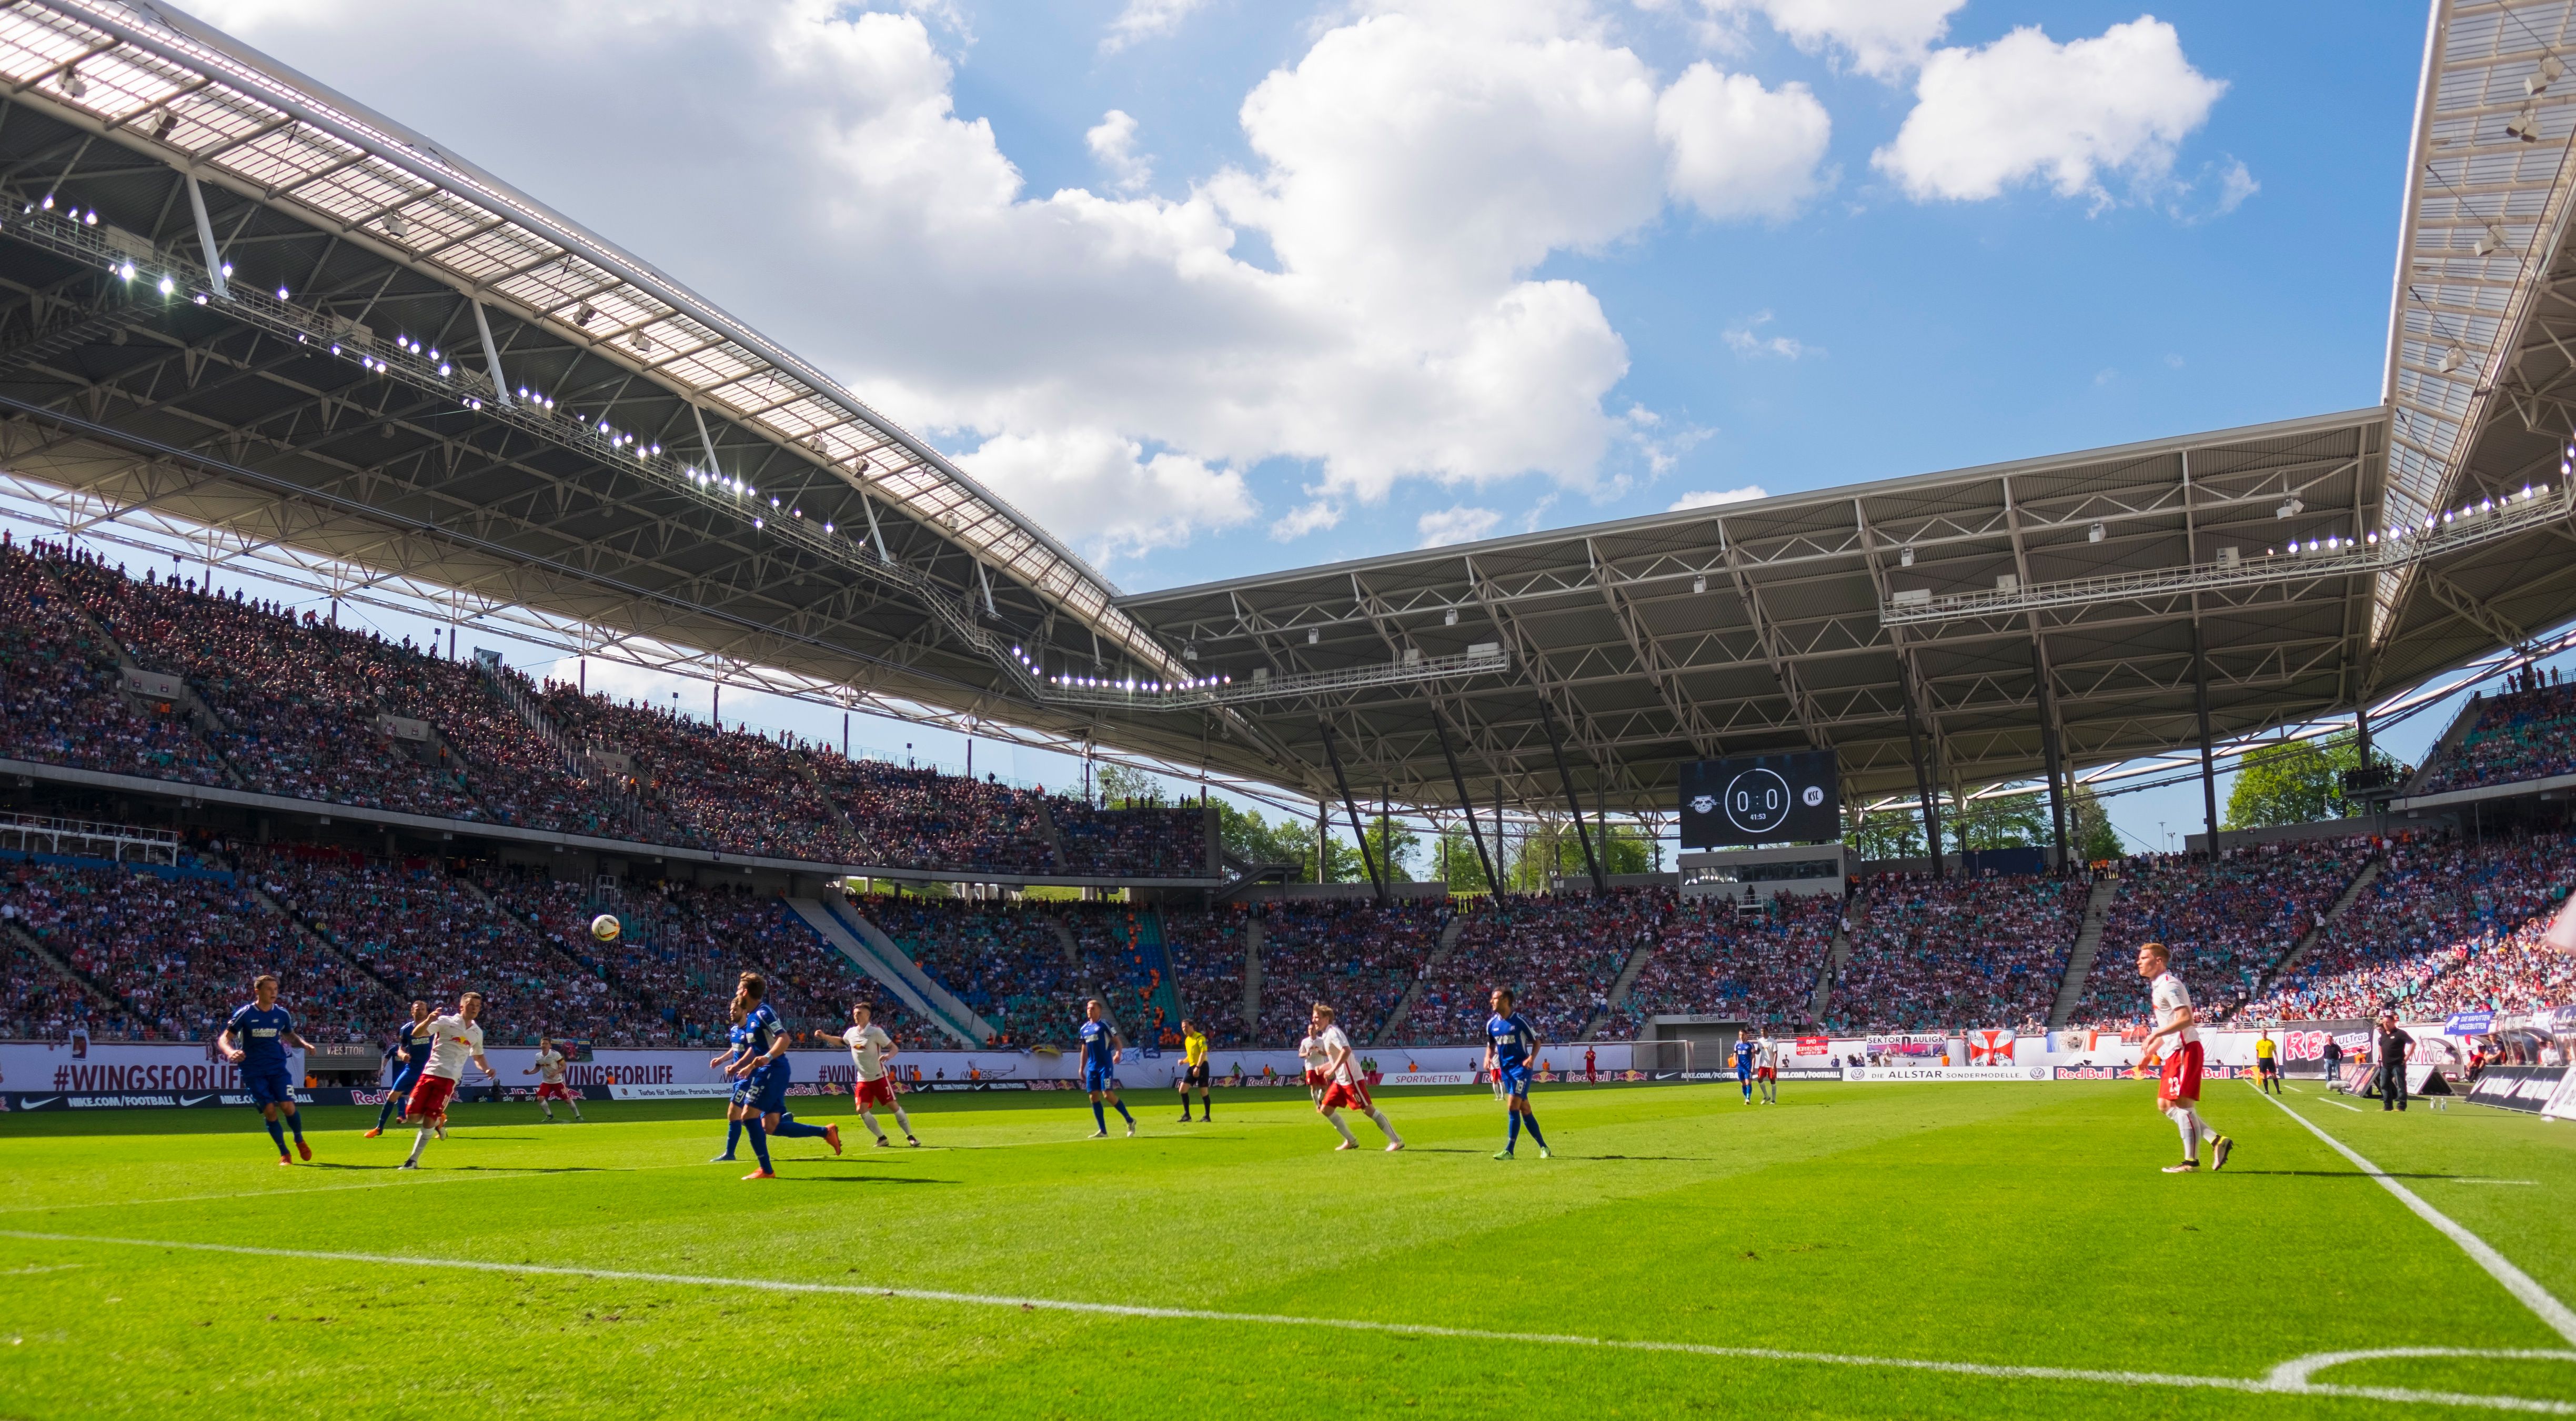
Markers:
<point>553,1090</point>
<point>272,1087</point>
<point>1345,1095</point>
<point>1515,1080</point>
<point>1098,1078</point>
<point>1765,1073</point>
<point>766,1090</point>
<point>1314,1079</point>
<point>404,1080</point>
<point>2180,1082</point>
<point>1195,1075</point>
<point>429,1096</point>
<point>2268,1065</point>
<point>1744,1073</point>
<point>876,1092</point>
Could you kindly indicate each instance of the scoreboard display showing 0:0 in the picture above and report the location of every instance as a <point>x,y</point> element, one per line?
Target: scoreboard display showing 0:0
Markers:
<point>1760,799</point>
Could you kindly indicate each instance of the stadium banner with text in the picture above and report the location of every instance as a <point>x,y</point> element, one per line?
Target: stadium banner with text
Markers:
<point>2525,1088</point>
<point>1947,1073</point>
<point>1760,799</point>
<point>121,1068</point>
<point>2562,1104</point>
<point>473,1094</point>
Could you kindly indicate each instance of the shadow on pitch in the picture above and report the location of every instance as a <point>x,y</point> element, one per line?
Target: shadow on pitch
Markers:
<point>855,1179</point>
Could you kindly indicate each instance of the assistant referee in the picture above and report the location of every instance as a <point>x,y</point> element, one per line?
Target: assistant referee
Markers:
<point>1194,1071</point>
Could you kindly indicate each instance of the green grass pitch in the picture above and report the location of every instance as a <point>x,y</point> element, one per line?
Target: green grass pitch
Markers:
<point>2022,1234</point>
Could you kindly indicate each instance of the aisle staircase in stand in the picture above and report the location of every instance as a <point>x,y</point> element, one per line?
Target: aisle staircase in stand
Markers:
<point>866,945</point>
<point>2079,961</point>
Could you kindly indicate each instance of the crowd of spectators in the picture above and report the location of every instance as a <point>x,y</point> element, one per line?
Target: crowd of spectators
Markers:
<point>1959,951</point>
<point>911,817</point>
<point>1560,955</point>
<point>179,950</point>
<point>45,1003</point>
<point>62,693</point>
<point>1207,952</point>
<point>1713,958</point>
<point>1355,956</point>
<point>708,787</point>
<point>2448,925</point>
<point>2527,733</point>
<point>2226,924</point>
<point>1007,964</point>
<point>1136,841</point>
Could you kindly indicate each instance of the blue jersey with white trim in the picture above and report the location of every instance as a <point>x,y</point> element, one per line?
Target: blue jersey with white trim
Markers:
<point>260,1035</point>
<point>1511,1038</point>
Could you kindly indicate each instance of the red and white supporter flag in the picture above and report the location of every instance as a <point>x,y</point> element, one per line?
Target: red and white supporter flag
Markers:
<point>1990,1048</point>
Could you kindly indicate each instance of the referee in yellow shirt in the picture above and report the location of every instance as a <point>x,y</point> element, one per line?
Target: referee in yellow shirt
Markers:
<point>1194,1070</point>
<point>2267,1065</point>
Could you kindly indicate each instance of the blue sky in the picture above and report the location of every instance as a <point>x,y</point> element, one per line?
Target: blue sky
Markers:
<point>1219,286</point>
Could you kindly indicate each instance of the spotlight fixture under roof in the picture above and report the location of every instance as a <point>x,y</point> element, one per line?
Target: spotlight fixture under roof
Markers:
<point>2290,508</point>
<point>1905,556</point>
<point>2096,533</point>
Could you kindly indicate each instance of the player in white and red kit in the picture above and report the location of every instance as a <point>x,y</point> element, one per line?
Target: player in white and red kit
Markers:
<point>870,1049</point>
<point>1344,1084</point>
<point>1311,1051</point>
<point>548,1068</point>
<point>2178,1088</point>
<point>454,1040</point>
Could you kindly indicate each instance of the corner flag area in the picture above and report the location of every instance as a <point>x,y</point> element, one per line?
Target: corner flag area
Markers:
<point>1857,1250</point>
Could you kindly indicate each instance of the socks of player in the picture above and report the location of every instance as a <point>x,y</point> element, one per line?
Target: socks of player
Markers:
<point>901,1122</point>
<point>419,1142</point>
<point>733,1136</point>
<point>277,1132</point>
<point>548,1107</point>
<point>1530,1122</point>
<point>797,1130</point>
<point>1122,1113</point>
<point>873,1127</point>
<point>1099,1117</point>
<point>295,1122</point>
<point>1514,1142</point>
<point>759,1140</point>
<point>1344,1126</point>
<point>392,1099</point>
<point>1380,1117</point>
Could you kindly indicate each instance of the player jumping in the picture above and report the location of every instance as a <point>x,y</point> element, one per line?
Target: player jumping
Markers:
<point>408,1054</point>
<point>1509,1045</point>
<point>454,1039</point>
<point>1194,1071</point>
<point>551,1087</point>
<point>1343,1083</point>
<point>762,1066</point>
<point>870,1049</point>
<point>1101,1049</point>
<point>255,1040</point>
<point>2178,1089</point>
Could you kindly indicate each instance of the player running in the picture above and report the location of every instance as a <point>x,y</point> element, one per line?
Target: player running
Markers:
<point>870,1049</point>
<point>761,1064</point>
<point>1102,1047</point>
<point>1344,1085</point>
<point>1744,1067</point>
<point>2267,1063</point>
<point>1509,1044</point>
<point>551,1086</point>
<point>2178,1089</point>
<point>1766,1069</point>
<point>454,1039</point>
<point>1194,1071</point>
<point>724,1061</point>
<point>255,1040</point>
<point>406,1056</point>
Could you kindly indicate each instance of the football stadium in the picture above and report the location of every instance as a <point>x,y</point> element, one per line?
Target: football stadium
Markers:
<point>393,1031</point>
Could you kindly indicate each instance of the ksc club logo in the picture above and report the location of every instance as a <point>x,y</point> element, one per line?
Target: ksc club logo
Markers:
<point>1814,796</point>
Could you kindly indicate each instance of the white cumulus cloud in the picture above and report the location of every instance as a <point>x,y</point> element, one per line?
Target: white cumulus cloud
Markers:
<point>1113,142</point>
<point>1455,525</point>
<point>2026,108</point>
<point>1104,495</point>
<point>1746,338</point>
<point>1880,38</point>
<point>1738,149</point>
<point>1711,498</point>
<point>1147,19</point>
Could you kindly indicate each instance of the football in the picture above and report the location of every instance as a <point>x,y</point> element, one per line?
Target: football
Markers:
<point>604,927</point>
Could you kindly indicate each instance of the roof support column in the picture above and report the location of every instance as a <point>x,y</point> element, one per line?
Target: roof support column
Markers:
<point>1573,801</point>
<point>1351,807</point>
<point>2049,751</point>
<point>206,239</point>
<point>1925,772</point>
<point>492,358</point>
<point>2208,755</point>
<point>1493,884</point>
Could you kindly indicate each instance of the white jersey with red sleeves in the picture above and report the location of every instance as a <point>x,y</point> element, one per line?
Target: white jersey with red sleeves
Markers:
<point>549,1064</point>
<point>453,1042</point>
<point>1333,1043</point>
<point>868,1045</point>
<point>2171,998</point>
<point>1311,1051</point>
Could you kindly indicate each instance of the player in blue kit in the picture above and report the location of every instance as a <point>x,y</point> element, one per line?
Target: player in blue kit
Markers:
<point>255,1040</point>
<point>761,1064</point>
<point>1510,1043</point>
<point>1101,1048</point>
<point>1744,1067</point>
<point>408,1054</point>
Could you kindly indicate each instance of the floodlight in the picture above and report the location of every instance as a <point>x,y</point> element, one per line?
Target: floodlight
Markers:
<point>1313,635</point>
<point>2290,508</point>
<point>2453,359</point>
<point>168,122</point>
<point>2096,533</point>
<point>1905,556</point>
<point>1699,584</point>
<point>281,293</point>
<point>395,226</point>
<point>168,286</point>
<point>1449,618</point>
<point>73,83</point>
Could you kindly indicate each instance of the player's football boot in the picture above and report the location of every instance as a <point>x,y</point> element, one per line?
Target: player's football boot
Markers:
<point>832,1137</point>
<point>1346,1145</point>
<point>760,1174</point>
<point>909,1140</point>
<point>1543,1153</point>
<point>303,1149</point>
<point>883,1143</point>
<point>2218,1153</point>
<point>725,1158</point>
<point>1098,1135</point>
<point>1393,1145</point>
<point>285,1160</point>
<point>371,1134</point>
<point>1131,1129</point>
<point>2189,1166</point>
<point>1504,1155</point>
<point>408,1164</point>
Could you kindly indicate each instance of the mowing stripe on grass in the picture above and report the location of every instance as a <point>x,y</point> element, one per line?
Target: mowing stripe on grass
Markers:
<point>2535,1297</point>
<point>2289,1378</point>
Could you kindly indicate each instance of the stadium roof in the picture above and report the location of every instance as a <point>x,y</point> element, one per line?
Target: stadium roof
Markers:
<point>330,361</point>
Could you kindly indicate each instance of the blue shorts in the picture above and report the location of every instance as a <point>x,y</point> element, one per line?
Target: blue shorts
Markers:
<point>1515,1079</point>
<point>766,1090</point>
<point>1098,1078</point>
<point>404,1080</point>
<point>270,1087</point>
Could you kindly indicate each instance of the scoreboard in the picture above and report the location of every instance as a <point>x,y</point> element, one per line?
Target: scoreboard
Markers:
<point>1760,799</point>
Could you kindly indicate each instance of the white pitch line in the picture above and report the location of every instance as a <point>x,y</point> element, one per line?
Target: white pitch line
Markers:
<point>2288,1378</point>
<point>2535,1297</point>
<point>2339,1105</point>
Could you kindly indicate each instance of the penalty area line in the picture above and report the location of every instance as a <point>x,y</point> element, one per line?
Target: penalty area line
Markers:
<point>2291,1378</point>
<point>2543,1305</point>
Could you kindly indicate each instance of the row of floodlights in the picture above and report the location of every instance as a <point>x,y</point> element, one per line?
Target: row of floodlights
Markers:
<point>1119,683</point>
